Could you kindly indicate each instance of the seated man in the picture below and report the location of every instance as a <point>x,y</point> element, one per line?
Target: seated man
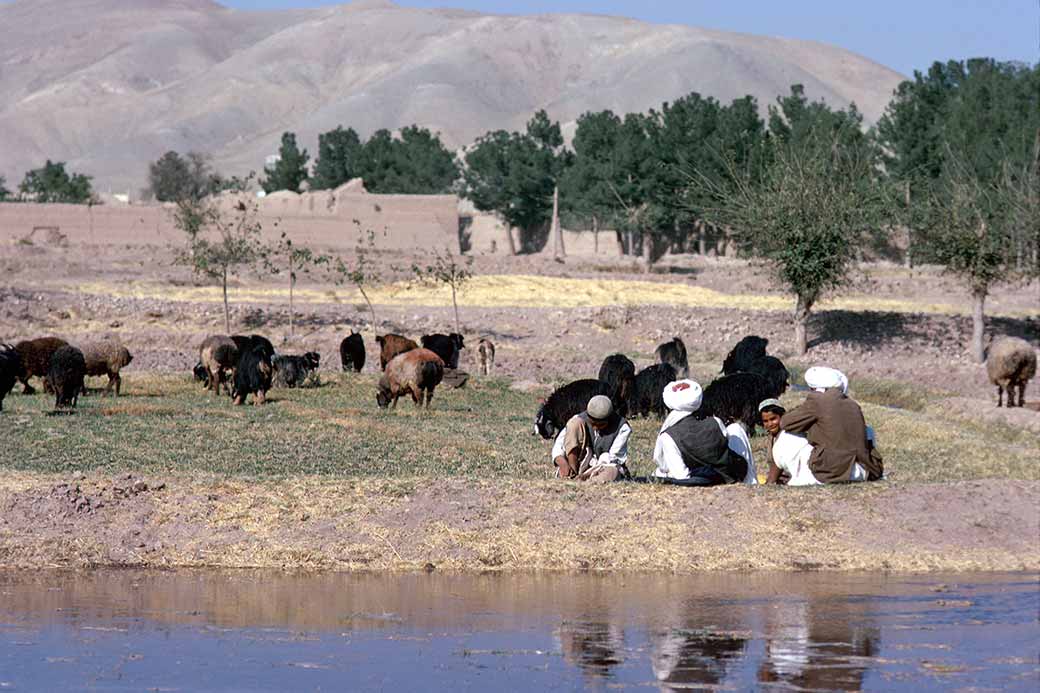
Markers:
<point>833,424</point>
<point>695,451</point>
<point>593,446</point>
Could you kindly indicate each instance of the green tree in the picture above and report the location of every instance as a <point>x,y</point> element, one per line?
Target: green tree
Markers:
<point>807,216</point>
<point>960,141</point>
<point>290,171</point>
<point>414,163</point>
<point>4,192</point>
<point>339,159</point>
<point>172,177</point>
<point>448,270</point>
<point>221,243</point>
<point>514,175</point>
<point>52,183</point>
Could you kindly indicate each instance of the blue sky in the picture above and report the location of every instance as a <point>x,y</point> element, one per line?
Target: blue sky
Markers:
<point>902,34</point>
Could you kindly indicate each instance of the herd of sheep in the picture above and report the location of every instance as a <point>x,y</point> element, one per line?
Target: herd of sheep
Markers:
<point>249,365</point>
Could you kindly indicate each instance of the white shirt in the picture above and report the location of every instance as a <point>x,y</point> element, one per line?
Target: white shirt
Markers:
<point>791,454</point>
<point>739,443</point>
<point>617,455</point>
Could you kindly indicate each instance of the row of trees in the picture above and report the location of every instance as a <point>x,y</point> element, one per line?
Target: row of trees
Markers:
<point>50,183</point>
<point>415,162</point>
<point>953,166</point>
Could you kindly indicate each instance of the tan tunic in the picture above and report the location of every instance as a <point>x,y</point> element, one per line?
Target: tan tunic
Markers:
<point>834,424</point>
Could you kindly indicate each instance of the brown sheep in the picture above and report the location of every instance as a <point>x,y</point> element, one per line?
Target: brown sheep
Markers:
<point>36,355</point>
<point>391,345</point>
<point>486,349</point>
<point>107,358</point>
<point>1011,363</point>
<point>418,371</point>
<point>219,356</point>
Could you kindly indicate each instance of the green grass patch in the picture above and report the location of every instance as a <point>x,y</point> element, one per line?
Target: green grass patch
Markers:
<point>165,423</point>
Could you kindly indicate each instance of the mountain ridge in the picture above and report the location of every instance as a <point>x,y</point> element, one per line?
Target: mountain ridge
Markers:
<point>108,89</point>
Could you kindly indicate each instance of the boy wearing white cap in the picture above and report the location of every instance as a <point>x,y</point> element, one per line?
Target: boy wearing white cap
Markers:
<point>833,425</point>
<point>593,446</point>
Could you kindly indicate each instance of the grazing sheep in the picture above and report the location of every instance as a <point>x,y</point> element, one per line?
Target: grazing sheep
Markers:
<point>447,346</point>
<point>619,372</point>
<point>647,394</point>
<point>200,373</point>
<point>565,402</point>
<point>744,354</point>
<point>418,371</point>
<point>107,358</point>
<point>391,345</point>
<point>735,398</point>
<point>775,373</point>
<point>486,349</point>
<point>218,355</point>
<point>292,371</point>
<point>246,342</point>
<point>10,370</point>
<point>1011,363</point>
<point>65,375</point>
<point>674,354</point>
<point>252,376</point>
<point>352,352</point>
<point>36,355</point>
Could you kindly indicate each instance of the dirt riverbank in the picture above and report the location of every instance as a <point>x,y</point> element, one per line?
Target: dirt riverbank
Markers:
<point>93,520</point>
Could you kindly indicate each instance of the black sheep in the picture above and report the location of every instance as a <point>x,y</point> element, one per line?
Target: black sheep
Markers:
<point>647,394</point>
<point>735,398</point>
<point>447,346</point>
<point>744,354</point>
<point>352,352</point>
<point>775,373</point>
<point>65,376</point>
<point>247,342</point>
<point>10,370</point>
<point>619,372</point>
<point>293,371</point>
<point>200,373</point>
<point>566,402</point>
<point>674,354</point>
<point>252,375</point>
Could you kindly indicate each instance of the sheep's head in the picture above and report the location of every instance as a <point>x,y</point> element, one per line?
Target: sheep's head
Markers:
<point>543,425</point>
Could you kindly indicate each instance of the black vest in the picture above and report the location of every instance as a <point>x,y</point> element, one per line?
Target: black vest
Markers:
<point>702,444</point>
<point>601,442</point>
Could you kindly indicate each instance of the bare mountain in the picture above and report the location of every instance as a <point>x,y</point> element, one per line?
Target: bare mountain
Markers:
<point>109,85</point>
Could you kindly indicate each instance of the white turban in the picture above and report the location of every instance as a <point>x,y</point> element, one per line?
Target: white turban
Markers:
<point>821,378</point>
<point>683,395</point>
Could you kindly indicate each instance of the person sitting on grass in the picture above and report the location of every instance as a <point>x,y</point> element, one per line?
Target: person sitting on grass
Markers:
<point>770,411</point>
<point>694,450</point>
<point>593,446</point>
<point>842,447</point>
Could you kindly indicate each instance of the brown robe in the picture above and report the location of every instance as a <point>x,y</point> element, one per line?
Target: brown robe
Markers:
<point>834,424</point>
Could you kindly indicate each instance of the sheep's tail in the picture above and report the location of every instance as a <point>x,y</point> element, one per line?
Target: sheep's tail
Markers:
<point>428,375</point>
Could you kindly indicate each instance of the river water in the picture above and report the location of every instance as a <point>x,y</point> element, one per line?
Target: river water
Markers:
<point>246,630</point>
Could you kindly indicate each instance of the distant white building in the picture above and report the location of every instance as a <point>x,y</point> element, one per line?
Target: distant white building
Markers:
<point>271,161</point>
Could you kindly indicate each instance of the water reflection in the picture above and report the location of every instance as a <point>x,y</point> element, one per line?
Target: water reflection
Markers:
<point>805,632</point>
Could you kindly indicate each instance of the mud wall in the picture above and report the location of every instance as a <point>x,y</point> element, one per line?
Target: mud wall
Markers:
<point>318,219</point>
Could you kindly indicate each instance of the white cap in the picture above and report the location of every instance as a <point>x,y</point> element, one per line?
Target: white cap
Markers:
<point>600,407</point>
<point>823,378</point>
<point>683,395</point>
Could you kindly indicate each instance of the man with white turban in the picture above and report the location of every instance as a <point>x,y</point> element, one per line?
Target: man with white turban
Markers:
<point>696,450</point>
<point>593,446</point>
<point>837,446</point>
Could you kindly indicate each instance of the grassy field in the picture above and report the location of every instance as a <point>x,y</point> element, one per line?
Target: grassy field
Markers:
<point>168,424</point>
